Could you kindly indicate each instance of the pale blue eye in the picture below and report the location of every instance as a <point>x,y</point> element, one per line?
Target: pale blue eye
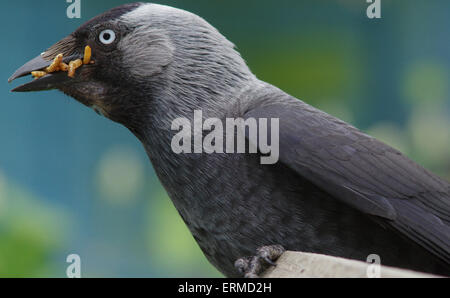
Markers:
<point>107,36</point>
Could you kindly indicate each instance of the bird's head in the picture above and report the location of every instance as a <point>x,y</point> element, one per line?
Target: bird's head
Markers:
<point>143,56</point>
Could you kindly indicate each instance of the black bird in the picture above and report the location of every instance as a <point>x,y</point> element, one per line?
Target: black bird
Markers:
<point>334,190</point>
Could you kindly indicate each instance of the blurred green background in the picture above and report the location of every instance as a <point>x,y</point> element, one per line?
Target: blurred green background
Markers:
<point>74,182</point>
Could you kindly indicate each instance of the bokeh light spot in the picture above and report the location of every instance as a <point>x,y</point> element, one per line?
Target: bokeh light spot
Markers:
<point>426,81</point>
<point>429,130</point>
<point>390,134</point>
<point>172,244</point>
<point>120,175</point>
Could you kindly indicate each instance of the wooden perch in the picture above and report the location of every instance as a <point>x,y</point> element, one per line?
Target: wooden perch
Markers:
<point>299,264</point>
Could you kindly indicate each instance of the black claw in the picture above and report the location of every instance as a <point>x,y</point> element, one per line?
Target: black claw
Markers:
<point>242,265</point>
<point>251,267</point>
<point>269,261</point>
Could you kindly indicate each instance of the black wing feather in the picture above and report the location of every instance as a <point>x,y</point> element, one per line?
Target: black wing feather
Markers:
<point>362,172</point>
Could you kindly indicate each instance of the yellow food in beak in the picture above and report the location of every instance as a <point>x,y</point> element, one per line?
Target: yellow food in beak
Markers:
<point>87,55</point>
<point>38,74</point>
<point>59,65</point>
<point>55,66</point>
<point>73,65</point>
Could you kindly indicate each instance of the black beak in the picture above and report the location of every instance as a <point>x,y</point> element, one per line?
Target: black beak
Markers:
<point>47,82</point>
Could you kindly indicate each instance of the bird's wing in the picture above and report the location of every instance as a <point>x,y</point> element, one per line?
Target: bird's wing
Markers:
<point>362,172</point>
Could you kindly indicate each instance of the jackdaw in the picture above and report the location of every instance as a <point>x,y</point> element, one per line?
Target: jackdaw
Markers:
<point>334,190</point>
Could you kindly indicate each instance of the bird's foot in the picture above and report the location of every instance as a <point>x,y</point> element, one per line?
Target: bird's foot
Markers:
<point>251,267</point>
